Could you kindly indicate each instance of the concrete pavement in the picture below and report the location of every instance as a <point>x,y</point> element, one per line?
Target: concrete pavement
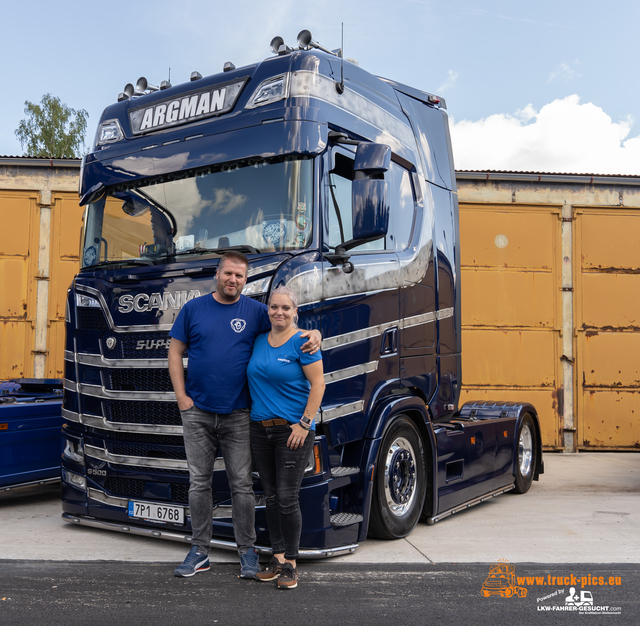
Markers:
<point>584,509</point>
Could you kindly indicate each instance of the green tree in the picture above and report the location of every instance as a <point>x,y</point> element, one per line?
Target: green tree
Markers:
<point>52,129</point>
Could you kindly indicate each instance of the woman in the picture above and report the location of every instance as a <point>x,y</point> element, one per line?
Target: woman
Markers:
<point>286,387</point>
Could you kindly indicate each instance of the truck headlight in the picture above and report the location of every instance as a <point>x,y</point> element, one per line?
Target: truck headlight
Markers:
<point>257,287</point>
<point>109,132</point>
<point>73,479</point>
<point>270,90</point>
<point>86,301</point>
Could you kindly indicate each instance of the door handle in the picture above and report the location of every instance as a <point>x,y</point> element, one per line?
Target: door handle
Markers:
<point>389,344</point>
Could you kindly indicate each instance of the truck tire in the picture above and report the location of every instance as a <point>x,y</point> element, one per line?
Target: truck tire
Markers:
<point>525,462</point>
<point>400,481</point>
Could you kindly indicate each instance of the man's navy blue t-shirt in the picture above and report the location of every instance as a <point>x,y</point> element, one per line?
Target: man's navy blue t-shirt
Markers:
<point>219,340</point>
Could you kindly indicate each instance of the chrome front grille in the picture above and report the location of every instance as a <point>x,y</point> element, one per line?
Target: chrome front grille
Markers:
<point>140,412</point>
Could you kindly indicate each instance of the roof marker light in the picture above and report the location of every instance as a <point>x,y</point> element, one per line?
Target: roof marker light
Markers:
<point>228,67</point>
<point>195,76</point>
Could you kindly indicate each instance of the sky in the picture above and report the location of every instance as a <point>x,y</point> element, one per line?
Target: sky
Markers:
<point>548,85</point>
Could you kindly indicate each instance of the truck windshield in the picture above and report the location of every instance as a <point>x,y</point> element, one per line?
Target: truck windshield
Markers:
<point>259,208</point>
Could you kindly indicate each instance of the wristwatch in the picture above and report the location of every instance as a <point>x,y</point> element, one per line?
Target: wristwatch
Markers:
<point>306,422</point>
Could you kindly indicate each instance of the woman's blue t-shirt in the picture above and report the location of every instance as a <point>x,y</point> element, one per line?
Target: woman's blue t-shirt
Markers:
<point>277,383</point>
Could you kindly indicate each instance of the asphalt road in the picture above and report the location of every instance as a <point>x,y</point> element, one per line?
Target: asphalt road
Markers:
<point>329,593</point>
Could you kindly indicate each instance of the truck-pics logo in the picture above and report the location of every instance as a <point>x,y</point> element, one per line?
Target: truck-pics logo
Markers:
<point>161,301</point>
<point>501,581</point>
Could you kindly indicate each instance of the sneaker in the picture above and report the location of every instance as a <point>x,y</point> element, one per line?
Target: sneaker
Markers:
<point>271,572</point>
<point>194,562</point>
<point>249,566</point>
<point>288,577</point>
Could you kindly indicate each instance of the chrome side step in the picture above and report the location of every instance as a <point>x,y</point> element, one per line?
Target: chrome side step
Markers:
<point>215,543</point>
<point>467,505</point>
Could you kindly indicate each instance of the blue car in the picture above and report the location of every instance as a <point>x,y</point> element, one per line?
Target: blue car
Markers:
<point>30,432</point>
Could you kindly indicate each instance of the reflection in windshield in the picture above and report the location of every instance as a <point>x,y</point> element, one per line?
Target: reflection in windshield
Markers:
<point>264,207</point>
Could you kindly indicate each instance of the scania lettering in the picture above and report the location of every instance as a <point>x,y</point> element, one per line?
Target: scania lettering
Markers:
<point>339,185</point>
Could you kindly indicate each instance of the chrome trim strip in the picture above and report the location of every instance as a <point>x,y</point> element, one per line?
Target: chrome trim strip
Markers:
<point>69,356</point>
<point>466,505</point>
<point>341,411</point>
<point>141,329</point>
<point>102,423</point>
<point>72,416</point>
<point>350,372</point>
<point>100,392</point>
<point>135,461</point>
<point>101,496</point>
<point>444,313</point>
<point>356,335</point>
<point>99,361</point>
<point>374,331</point>
<point>174,535</point>
<point>418,320</point>
<point>143,461</point>
<point>69,385</point>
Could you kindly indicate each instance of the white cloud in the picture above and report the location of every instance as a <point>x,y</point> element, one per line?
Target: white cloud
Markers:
<point>449,83</point>
<point>564,136</point>
<point>564,72</point>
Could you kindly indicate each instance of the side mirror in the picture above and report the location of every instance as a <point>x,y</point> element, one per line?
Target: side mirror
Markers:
<point>370,206</point>
<point>372,158</point>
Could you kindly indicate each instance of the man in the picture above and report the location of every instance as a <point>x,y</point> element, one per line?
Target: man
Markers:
<point>219,330</point>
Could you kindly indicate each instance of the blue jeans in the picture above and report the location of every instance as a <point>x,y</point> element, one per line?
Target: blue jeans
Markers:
<point>281,471</point>
<point>203,433</point>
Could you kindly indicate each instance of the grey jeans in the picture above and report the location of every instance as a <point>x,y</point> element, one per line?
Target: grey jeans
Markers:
<point>203,433</point>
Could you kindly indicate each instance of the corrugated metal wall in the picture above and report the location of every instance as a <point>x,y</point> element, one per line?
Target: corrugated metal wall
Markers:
<point>608,326</point>
<point>39,243</point>
<point>551,301</point>
<point>19,236</point>
<point>511,309</point>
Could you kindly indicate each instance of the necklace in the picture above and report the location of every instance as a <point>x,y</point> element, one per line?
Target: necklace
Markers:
<point>276,342</point>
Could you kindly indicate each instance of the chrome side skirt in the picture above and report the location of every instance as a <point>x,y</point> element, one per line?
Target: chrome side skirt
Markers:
<point>467,505</point>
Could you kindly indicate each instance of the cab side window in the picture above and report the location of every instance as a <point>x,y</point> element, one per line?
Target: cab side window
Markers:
<point>401,215</point>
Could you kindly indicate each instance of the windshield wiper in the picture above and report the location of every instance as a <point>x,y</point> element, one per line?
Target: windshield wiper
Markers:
<point>243,248</point>
<point>121,262</point>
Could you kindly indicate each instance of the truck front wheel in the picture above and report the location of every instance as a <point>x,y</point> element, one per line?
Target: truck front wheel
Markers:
<point>400,482</point>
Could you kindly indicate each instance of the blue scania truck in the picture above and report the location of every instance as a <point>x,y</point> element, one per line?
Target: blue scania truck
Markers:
<point>339,185</point>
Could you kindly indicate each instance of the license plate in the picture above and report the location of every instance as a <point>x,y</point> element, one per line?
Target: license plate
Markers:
<point>156,512</point>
